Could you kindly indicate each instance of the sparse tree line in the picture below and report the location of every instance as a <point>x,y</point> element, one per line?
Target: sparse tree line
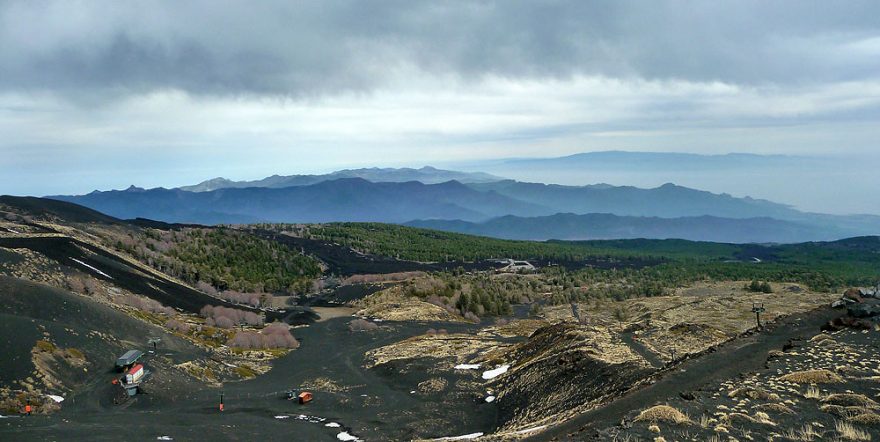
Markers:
<point>474,296</point>
<point>423,245</point>
<point>227,260</point>
<point>227,317</point>
<point>274,335</point>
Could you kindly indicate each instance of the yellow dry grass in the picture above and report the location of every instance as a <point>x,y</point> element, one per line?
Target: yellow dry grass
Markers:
<point>812,377</point>
<point>871,419</point>
<point>775,408</point>
<point>848,431</point>
<point>663,413</point>
<point>850,400</point>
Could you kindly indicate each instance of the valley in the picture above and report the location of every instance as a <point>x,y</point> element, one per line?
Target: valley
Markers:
<point>401,333</point>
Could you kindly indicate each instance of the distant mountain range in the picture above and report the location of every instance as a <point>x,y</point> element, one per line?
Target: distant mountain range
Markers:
<point>568,226</point>
<point>427,175</point>
<point>499,207</point>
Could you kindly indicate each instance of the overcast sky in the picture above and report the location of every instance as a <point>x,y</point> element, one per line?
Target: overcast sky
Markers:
<point>98,95</point>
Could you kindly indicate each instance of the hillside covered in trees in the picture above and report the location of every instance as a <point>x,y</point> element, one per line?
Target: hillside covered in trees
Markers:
<point>223,258</point>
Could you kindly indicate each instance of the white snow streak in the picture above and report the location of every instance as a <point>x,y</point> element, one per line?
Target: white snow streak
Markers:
<point>96,270</point>
<point>491,374</point>
<point>463,437</point>
<point>529,430</point>
<point>467,366</point>
<point>346,437</point>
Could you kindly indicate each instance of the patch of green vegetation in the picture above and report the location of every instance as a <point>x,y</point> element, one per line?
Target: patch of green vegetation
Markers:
<point>425,245</point>
<point>224,258</point>
<point>76,353</point>
<point>822,266</point>
<point>759,287</point>
<point>45,346</point>
<point>245,372</point>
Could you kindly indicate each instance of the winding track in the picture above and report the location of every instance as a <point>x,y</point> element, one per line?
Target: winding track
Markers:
<point>742,355</point>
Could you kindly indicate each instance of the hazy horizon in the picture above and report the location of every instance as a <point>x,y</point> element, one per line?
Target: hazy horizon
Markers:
<point>103,95</point>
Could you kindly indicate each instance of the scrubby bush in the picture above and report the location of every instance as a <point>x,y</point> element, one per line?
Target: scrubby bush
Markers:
<point>813,377</point>
<point>178,326</point>
<point>229,317</point>
<point>147,305</point>
<point>275,335</point>
<point>663,413</point>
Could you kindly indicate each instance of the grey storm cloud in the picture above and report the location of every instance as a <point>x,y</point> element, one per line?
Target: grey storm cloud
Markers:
<point>316,48</point>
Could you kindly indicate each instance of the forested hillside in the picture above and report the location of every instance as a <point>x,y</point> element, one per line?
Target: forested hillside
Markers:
<point>225,259</point>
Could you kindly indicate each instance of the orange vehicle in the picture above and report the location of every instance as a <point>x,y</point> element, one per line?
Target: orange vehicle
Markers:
<point>305,397</point>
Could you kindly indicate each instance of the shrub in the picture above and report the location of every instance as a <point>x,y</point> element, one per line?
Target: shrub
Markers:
<point>230,316</point>
<point>663,413</point>
<point>45,346</point>
<point>866,419</point>
<point>813,377</point>
<point>849,432</point>
<point>850,400</point>
<point>178,326</point>
<point>76,353</point>
<point>275,335</point>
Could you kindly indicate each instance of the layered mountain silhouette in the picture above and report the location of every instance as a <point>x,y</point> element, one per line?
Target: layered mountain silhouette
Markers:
<point>500,208</point>
<point>427,175</point>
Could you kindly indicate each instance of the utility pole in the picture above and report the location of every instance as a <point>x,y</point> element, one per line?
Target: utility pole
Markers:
<point>758,309</point>
<point>221,400</point>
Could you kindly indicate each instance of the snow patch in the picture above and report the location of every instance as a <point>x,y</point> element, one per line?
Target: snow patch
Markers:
<point>164,438</point>
<point>346,437</point>
<point>58,399</point>
<point>467,366</point>
<point>494,373</point>
<point>332,425</point>
<point>96,270</point>
<point>529,430</point>
<point>282,417</point>
<point>490,399</point>
<point>463,437</point>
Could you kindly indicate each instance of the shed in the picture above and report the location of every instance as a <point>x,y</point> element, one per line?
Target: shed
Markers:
<point>129,358</point>
<point>305,397</point>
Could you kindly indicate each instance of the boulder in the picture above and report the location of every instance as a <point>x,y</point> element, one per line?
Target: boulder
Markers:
<point>852,295</point>
<point>864,309</point>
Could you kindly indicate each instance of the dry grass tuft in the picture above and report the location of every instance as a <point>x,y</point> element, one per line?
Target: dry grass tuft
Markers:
<point>866,419</point>
<point>749,392</point>
<point>654,429</point>
<point>820,338</point>
<point>813,377</point>
<point>807,433</point>
<point>663,413</point>
<point>844,412</point>
<point>775,408</point>
<point>813,393</point>
<point>850,400</point>
<point>850,432</point>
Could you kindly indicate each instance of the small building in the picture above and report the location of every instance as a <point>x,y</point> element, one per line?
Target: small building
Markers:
<point>305,397</point>
<point>134,374</point>
<point>128,359</point>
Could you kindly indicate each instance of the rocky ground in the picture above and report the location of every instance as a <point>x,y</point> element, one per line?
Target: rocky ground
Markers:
<point>823,388</point>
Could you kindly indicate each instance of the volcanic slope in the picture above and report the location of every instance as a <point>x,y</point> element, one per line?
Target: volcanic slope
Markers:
<point>59,343</point>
